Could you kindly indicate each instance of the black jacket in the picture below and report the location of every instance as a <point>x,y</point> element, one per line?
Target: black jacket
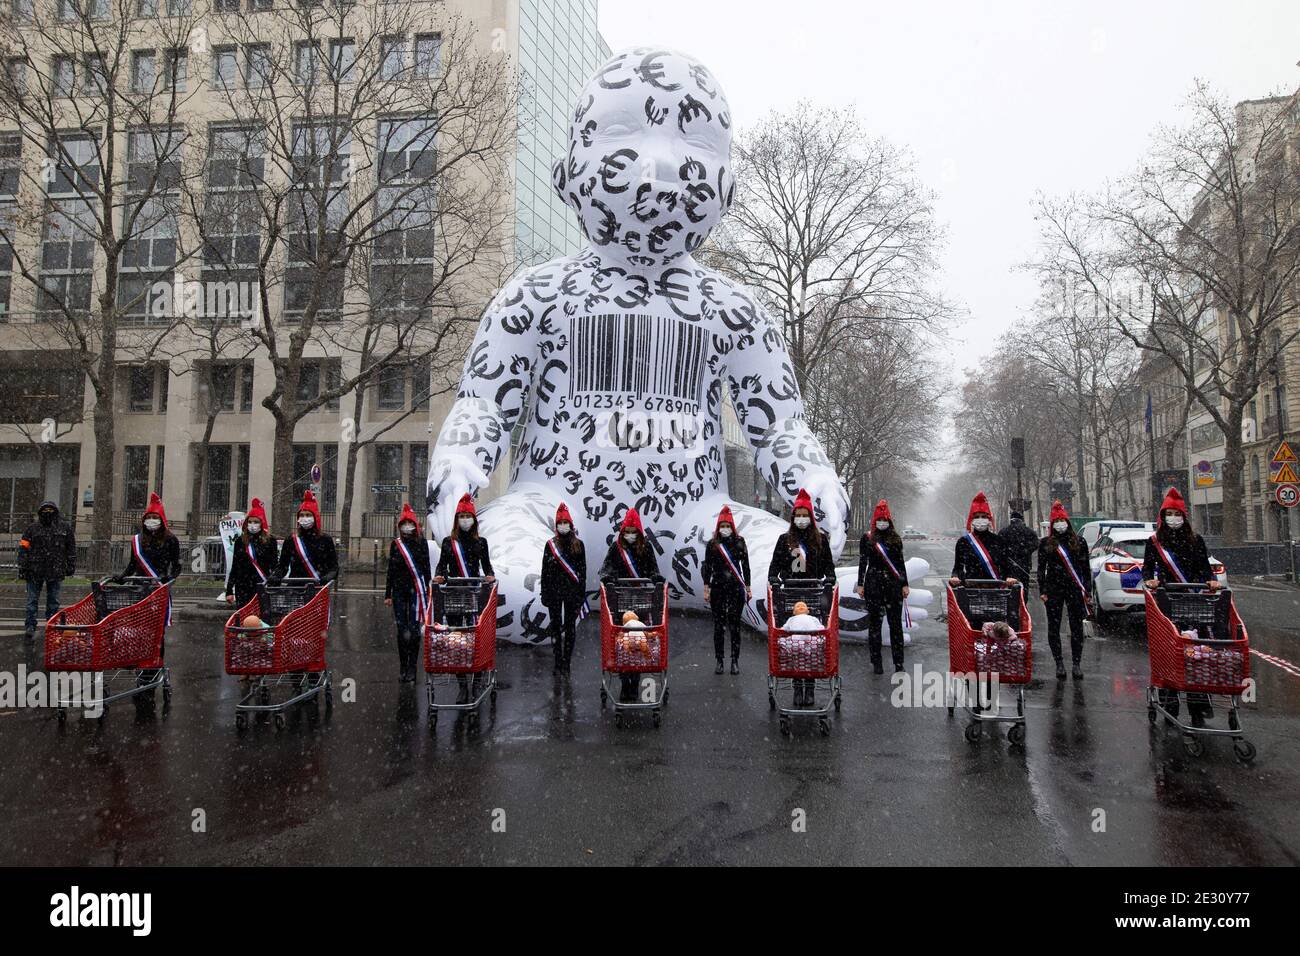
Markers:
<point>320,550</point>
<point>967,564</point>
<point>557,587</point>
<point>716,572</point>
<point>399,584</point>
<point>47,552</point>
<point>162,551</point>
<point>1020,543</point>
<point>1054,579</point>
<point>1187,548</point>
<point>244,578</point>
<point>476,559</point>
<point>613,567</point>
<point>820,564</point>
<point>878,582</point>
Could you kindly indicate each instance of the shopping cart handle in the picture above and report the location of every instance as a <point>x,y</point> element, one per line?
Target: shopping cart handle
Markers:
<point>461,582</point>
<point>985,583</point>
<point>1184,586</point>
<point>114,581</point>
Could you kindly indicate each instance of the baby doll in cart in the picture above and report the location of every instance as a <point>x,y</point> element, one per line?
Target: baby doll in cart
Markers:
<point>810,649</point>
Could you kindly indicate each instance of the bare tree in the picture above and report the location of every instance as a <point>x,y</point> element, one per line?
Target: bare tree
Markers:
<point>832,230</point>
<point>96,88</point>
<point>1197,257</point>
<point>372,135</point>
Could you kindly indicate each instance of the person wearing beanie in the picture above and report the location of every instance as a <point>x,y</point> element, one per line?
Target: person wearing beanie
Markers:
<point>253,558</point>
<point>564,587</point>
<point>882,584</point>
<point>1177,554</point>
<point>630,556</point>
<point>155,554</point>
<point>406,590</point>
<point>1020,544</point>
<point>47,553</point>
<point>1064,575</point>
<point>464,554</point>
<point>980,554</point>
<point>803,552</point>
<point>726,584</point>
<point>308,552</point>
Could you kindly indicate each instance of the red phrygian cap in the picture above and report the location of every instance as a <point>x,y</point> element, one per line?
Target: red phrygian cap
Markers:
<point>881,512</point>
<point>255,510</point>
<point>1058,512</point>
<point>979,506</point>
<point>310,506</point>
<point>408,514</point>
<point>562,514</point>
<point>466,505</point>
<point>631,520</point>
<point>1173,502</point>
<point>724,515</point>
<point>155,507</point>
<point>804,500</point>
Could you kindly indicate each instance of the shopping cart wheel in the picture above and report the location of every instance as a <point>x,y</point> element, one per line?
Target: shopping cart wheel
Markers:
<point>241,721</point>
<point>1193,745</point>
<point>785,726</point>
<point>1244,750</point>
<point>973,731</point>
<point>1016,734</point>
<point>657,717</point>
<point>824,726</point>
<point>279,721</point>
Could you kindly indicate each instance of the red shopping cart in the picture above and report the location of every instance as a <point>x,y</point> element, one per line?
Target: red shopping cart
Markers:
<point>981,660</point>
<point>115,632</point>
<point>800,663</point>
<point>1198,646</point>
<point>460,643</point>
<point>635,650</point>
<point>283,655</point>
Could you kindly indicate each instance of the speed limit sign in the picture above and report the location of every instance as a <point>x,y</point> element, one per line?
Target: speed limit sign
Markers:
<point>1288,496</point>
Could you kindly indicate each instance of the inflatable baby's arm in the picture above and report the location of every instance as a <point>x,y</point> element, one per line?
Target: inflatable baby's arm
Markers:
<point>770,408</point>
<point>493,393</point>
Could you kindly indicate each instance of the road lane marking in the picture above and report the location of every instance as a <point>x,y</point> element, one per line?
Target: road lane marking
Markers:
<point>1283,663</point>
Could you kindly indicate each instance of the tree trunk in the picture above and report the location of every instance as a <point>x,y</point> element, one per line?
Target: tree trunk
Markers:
<point>101,526</point>
<point>283,504</point>
<point>350,469</point>
<point>200,466</point>
<point>1234,463</point>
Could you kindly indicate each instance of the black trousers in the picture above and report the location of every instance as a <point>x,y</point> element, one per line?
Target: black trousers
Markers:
<point>878,611</point>
<point>564,623</point>
<point>1073,606</point>
<point>727,603</point>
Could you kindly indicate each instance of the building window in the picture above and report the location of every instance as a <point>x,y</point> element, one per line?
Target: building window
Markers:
<point>241,474</point>
<point>224,67</point>
<point>94,76</point>
<point>321,164</point>
<point>217,492</point>
<point>392,57</point>
<point>64,75</point>
<point>419,476</point>
<point>327,456</point>
<point>258,67</point>
<point>306,56</point>
<point>428,53</point>
<point>389,472</point>
<point>159,460</point>
<point>343,57</point>
<point>317,376</point>
<point>177,72</point>
<point>143,72</point>
<point>135,484</point>
<point>390,388</point>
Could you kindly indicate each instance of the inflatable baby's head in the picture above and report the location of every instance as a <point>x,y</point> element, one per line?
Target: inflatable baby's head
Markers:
<point>649,163</point>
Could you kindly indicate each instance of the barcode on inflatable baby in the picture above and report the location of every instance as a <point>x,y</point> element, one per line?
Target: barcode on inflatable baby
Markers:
<point>641,354</point>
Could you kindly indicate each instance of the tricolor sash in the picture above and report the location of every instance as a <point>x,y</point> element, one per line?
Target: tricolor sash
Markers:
<point>143,562</point>
<point>252,559</point>
<point>726,556</point>
<point>415,579</point>
<point>460,558</point>
<point>568,569</point>
<point>982,553</point>
<point>1169,561</point>
<point>880,548</point>
<point>627,560</point>
<point>1069,566</point>
<point>306,561</point>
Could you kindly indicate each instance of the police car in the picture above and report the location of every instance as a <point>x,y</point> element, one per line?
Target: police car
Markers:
<point>1116,561</point>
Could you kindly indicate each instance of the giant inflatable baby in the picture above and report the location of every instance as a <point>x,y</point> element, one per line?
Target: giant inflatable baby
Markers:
<point>616,361</point>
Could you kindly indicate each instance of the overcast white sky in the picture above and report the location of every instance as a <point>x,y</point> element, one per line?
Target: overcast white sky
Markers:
<point>995,100</point>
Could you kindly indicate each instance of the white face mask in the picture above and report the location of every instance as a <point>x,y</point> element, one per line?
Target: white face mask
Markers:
<point>465,522</point>
<point>882,525</point>
<point>254,527</point>
<point>407,528</point>
<point>802,522</point>
<point>724,531</point>
<point>629,537</point>
<point>1174,521</point>
<point>563,527</point>
<point>980,524</point>
<point>152,524</point>
<point>1060,526</point>
<point>306,521</point>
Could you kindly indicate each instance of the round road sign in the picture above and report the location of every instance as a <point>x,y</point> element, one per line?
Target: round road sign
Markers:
<point>1287,495</point>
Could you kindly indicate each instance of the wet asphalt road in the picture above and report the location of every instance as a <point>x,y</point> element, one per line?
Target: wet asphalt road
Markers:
<point>716,783</point>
